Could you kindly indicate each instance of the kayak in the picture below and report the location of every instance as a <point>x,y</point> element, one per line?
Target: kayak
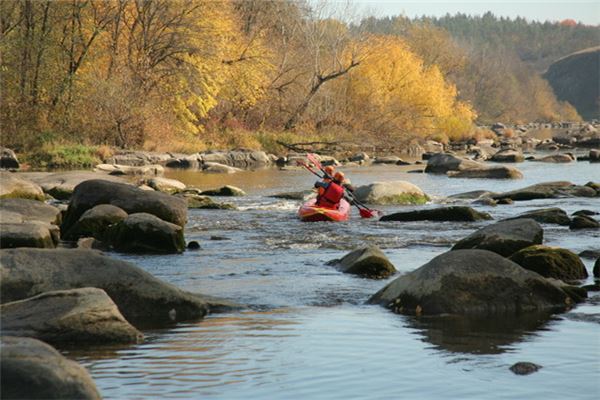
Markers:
<point>312,213</point>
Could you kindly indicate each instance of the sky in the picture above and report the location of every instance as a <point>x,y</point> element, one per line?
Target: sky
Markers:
<point>584,11</point>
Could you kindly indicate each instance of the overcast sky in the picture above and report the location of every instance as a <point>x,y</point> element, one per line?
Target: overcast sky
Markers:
<point>584,11</point>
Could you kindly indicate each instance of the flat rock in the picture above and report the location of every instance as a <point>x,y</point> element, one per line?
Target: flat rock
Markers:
<point>14,186</point>
<point>129,198</point>
<point>216,168</point>
<point>548,190</point>
<point>555,158</point>
<point>441,163</point>
<point>142,299</point>
<point>145,233</point>
<point>394,192</point>
<point>368,262</point>
<point>552,215</point>
<point>487,172</point>
<point>72,317</point>
<point>551,262</point>
<point>61,185</point>
<point>471,282</point>
<point>31,369</point>
<point>227,190</point>
<point>504,237</point>
<point>453,213</point>
<point>166,185</point>
<point>31,210</point>
<point>508,156</point>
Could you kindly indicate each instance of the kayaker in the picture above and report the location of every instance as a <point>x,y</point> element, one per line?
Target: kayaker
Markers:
<point>340,179</point>
<point>329,173</point>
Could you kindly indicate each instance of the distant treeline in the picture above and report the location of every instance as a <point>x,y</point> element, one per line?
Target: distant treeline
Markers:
<point>190,74</point>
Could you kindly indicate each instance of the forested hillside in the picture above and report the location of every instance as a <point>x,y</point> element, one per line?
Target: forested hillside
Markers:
<point>188,75</point>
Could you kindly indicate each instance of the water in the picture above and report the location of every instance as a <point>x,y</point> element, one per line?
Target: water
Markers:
<point>307,332</point>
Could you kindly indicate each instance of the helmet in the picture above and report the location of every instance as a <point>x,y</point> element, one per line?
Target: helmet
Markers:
<point>339,176</point>
<point>329,170</point>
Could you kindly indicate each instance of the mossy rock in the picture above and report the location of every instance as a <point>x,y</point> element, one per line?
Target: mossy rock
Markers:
<point>206,203</point>
<point>404,199</point>
<point>551,262</point>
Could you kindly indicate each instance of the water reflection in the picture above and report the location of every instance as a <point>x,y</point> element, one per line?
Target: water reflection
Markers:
<point>478,335</point>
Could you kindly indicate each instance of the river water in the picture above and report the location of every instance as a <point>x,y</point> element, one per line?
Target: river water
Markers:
<point>307,333</point>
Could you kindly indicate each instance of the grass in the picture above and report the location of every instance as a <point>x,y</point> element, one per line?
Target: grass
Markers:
<point>67,156</point>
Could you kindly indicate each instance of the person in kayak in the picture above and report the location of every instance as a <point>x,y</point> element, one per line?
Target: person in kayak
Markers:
<point>331,192</point>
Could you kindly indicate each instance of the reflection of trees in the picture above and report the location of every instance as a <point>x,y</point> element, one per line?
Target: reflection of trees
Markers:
<point>478,335</point>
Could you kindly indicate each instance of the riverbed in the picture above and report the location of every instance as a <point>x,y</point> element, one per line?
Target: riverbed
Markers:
<point>307,333</point>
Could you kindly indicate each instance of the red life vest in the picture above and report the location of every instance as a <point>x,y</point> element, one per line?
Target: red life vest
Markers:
<point>332,196</point>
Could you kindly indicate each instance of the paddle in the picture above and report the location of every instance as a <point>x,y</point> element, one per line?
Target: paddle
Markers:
<point>363,210</point>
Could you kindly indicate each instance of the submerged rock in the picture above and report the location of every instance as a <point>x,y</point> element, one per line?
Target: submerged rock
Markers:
<point>552,215</point>
<point>368,262</point>
<point>31,369</point>
<point>471,282</point>
<point>453,213</point>
<point>548,190</point>
<point>395,192</point>
<point>504,237</point>
<point>551,262</point>
<point>142,299</point>
<point>75,316</point>
<point>525,368</point>
<point>12,186</point>
<point>145,233</point>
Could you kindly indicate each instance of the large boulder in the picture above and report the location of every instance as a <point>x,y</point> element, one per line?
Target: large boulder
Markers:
<point>368,262</point>
<point>471,282</point>
<point>441,163</point>
<point>395,192</point>
<point>61,185</point>
<point>166,185</point>
<point>551,262</point>
<point>95,221</point>
<point>504,237</point>
<point>31,210</point>
<point>28,234</point>
<point>453,213</point>
<point>141,298</point>
<point>75,316</point>
<point>508,155</point>
<point>227,190</point>
<point>8,159</point>
<point>487,172</point>
<point>31,369</point>
<point>14,186</point>
<point>129,198</point>
<point>548,190</point>
<point>552,215</point>
<point>584,222</point>
<point>145,233</point>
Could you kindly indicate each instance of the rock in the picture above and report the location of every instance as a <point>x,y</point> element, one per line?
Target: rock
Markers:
<point>361,157</point>
<point>524,368</point>
<point>31,210</point>
<point>91,243</point>
<point>585,212</point>
<point>226,190</point>
<point>145,233</point>
<point>551,262</point>
<point>387,160</point>
<point>95,221</point>
<point>548,190</point>
<point>504,237</point>
<point>12,186</point>
<point>138,158</point>
<point>473,195</point>
<point>596,270</point>
<point>166,185</point>
<point>75,316</point>
<point>61,185</point>
<point>28,234</point>
<point>193,245</point>
<point>142,299</point>
<point>589,254</point>
<point>584,222</point>
<point>552,215</point>
<point>440,163</point>
<point>144,170</point>
<point>547,146</point>
<point>368,262</point>
<point>508,155</point>
<point>129,198</point>
<point>471,282</point>
<point>431,146</point>
<point>395,192</point>
<point>204,202</point>
<point>184,162</point>
<point>504,201</point>
<point>302,195</point>
<point>487,172</point>
<point>240,159</point>
<point>31,369</point>
<point>8,159</point>
<point>216,168</point>
<point>594,155</point>
<point>453,213</point>
<point>555,158</point>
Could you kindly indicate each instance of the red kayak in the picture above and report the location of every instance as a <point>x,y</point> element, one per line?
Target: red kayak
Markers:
<point>312,213</point>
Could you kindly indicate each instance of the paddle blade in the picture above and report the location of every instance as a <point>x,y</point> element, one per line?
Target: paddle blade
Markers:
<point>364,213</point>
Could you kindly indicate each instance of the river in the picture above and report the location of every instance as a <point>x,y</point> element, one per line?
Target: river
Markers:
<point>307,333</point>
